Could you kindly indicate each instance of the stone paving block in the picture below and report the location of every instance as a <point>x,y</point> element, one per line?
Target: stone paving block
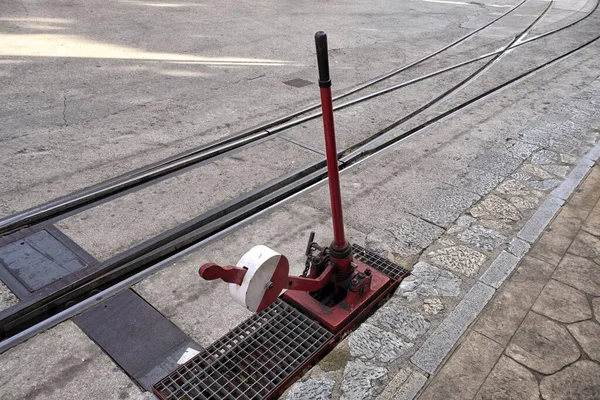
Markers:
<point>494,207</point>
<point>515,188</point>
<point>596,306</point>
<point>374,344</point>
<point>62,363</point>
<point>587,334</point>
<point>542,345</point>
<point>404,386</point>
<point>399,319</point>
<point>521,177</point>
<point>465,371</point>
<point>535,136</point>
<point>576,382</point>
<point>395,384</point>
<point>546,184</point>
<point>566,188</point>
<point>478,181</point>
<point>500,269</point>
<point>562,303</point>
<point>594,154</point>
<point>557,237</point>
<point>427,280</point>
<point>519,149</point>
<point>443,204</point>
<point>459,259</point>
<point>518,247</point>
<point>437,346</point>
<point>7,298</point>
<point>433,306</point>
<point>524,203</point>
<point>568,159</point>
<point>478,236</point>
<point>462,223</point>
<point>499,163</point>
<point>536,224</point>
<point>544,157</point>
<point>579,272</point>
<point>369,215</point>
<point>362,380</point>
<point>558,170</point>
<point>536,171</point>
<point>318,389</point>
<point>585,245</point>
<point>403,240</point>
<point>509,380</point>
<point>592,224</point>
<point>587,194</point>
<point>337,358</point>
<point>502,317</point>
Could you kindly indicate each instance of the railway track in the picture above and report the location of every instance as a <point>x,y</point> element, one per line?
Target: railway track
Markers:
<point>120,185</point>
<point>88,197</point>
<point>17,322</point>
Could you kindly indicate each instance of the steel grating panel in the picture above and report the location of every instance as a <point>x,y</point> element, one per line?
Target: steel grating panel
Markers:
<point>381,264</point>
<point>252,360</point>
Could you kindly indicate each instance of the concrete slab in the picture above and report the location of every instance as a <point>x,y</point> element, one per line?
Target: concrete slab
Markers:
<point>62,363</point>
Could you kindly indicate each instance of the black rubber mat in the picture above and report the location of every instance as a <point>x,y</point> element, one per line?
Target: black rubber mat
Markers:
<point>381,264</point>
<point>139,338</point>
<point>41,258</point>
<point>251,361</point>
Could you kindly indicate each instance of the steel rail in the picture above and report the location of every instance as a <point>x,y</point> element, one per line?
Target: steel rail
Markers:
<point>357,148</point>
<point>161,168</point>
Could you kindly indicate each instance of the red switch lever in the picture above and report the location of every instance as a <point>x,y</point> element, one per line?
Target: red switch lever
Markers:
<point>228,273</point>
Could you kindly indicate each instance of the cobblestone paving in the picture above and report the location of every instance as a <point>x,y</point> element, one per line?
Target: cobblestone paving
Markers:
<point>394,353</point>
<point>540,336</point>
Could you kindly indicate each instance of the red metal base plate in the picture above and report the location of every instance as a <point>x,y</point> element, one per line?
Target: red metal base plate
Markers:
<point>339,316</point>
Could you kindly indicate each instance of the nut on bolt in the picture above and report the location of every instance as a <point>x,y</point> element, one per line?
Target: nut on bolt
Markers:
<point>269,285</point>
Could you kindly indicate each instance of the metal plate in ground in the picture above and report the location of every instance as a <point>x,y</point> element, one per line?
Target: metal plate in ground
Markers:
<point>252,360</point>
<point>381,264</point>
<point>139,338</point>
<point>40,259</point>
<point>297,82</point>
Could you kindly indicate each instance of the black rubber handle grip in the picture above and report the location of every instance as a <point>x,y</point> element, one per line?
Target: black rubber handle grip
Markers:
<point>322,59</point>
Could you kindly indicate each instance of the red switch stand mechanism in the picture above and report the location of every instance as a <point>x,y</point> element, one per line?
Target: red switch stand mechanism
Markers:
<point>334,289</point>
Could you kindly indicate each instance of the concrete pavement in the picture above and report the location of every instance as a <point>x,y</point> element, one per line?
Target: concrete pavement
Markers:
<point>448,204</point>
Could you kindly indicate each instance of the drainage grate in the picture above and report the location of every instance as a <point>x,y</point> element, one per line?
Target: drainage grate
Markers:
<point>252,360</point>
<point>381,264</point>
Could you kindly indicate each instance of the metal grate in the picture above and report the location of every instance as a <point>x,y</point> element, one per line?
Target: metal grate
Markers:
<point>251,361</point>
<point>381,264</point>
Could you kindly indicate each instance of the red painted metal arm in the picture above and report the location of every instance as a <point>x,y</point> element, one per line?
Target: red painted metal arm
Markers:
<point>228,273</point>
<point>309,284</point>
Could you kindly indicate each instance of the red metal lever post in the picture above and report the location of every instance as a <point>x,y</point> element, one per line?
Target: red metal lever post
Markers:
<point>330,145</point>
<point>340,248</point>
<point>228,273</point>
